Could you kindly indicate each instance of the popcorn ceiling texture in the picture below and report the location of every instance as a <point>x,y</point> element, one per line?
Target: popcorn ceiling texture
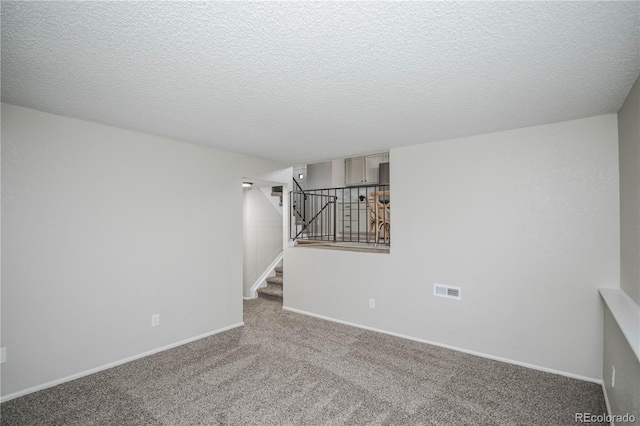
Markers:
<point>299,82</point>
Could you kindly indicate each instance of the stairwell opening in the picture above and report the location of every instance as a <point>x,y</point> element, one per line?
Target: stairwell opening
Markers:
<point>263,240</point>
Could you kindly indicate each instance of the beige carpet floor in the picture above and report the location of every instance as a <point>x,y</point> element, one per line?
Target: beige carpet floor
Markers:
<point>282,368</point>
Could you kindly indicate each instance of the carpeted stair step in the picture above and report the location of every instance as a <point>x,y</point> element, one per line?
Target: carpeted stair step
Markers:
<point>271,291</point>
<point>276,191</point>
<point>277,280</point>
<point>277,194</point>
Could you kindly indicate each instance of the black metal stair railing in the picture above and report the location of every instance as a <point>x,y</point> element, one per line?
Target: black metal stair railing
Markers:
<point>320,226</point>
<point>341,214</point>
<point>312,215</point>
<point>298,203</point>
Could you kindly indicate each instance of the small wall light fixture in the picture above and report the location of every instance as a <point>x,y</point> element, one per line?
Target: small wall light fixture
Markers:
<point>247,184</point>
<point>300,176</point>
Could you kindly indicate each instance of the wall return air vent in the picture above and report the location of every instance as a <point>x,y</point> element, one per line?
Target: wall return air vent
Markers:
<point>447,291</point>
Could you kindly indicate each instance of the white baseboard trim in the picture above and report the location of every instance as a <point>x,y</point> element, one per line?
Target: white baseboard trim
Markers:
<point>455,348</point>
<point>262,281</point>
<point>113,364</point>
<point>246,298</point>
<point>606,401</point>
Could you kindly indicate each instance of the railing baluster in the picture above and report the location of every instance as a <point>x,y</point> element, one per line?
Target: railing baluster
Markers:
<point>322,218</point>
<point>324,222</point>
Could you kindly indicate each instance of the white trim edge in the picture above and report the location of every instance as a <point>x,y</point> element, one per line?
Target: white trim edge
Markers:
<point>75,376</point>
<point>262,280</point>
<point>455,348</point>
<point>606,401</point>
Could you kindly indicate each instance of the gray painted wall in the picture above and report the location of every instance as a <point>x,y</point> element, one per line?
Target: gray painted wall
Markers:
<point>103,227</point>
<point>625,397</point>
<point>525,221</point>
<point>319,175</point>
<point>629,146</point>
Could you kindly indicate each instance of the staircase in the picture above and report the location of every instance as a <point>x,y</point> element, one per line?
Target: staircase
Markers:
<point>273,290</point>
<point>276,191</point>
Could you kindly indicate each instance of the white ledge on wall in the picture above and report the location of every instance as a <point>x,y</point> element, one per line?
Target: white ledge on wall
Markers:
<point>626,313</point>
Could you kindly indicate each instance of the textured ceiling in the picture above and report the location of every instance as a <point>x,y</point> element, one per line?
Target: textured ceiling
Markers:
<point>300,82</point>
